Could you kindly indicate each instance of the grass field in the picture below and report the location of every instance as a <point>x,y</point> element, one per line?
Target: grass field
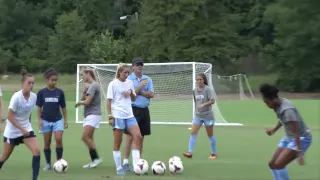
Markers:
<point>243,152</point>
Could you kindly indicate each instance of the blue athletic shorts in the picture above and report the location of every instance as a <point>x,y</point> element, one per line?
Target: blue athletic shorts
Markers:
<point>52,126</point>
<point>204,122</point>
<point>123,124</point>
<point>290,143</point>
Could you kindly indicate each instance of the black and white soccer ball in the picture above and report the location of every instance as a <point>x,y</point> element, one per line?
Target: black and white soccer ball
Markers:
<point>175,165</point>
<point>60,166</point>
<point>158,168</point>
<point>141,168</point>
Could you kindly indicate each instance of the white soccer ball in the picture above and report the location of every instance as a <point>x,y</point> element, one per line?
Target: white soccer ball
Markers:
<point>141,168</point>
<point>158,168</point>
<point>175,165</point>
<point>60,166</point>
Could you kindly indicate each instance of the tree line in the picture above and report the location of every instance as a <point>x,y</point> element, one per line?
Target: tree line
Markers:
<point>249,36</point>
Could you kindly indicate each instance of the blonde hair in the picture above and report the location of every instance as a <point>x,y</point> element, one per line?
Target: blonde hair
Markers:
<point>90,71</point>
<point>120,68</point>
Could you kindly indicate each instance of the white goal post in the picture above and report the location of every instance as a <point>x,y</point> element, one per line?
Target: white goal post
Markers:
<point>173,84</point>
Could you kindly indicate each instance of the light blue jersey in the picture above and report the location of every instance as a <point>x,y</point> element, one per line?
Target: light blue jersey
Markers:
<point>141,101</point>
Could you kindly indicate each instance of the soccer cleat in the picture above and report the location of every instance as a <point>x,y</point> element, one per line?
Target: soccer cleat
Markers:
<point>93,164</point>
<point>120,172</point>
<point>127,167</point>
<point>47,167</point>
<point>212,156</point>
<point>187,154</point>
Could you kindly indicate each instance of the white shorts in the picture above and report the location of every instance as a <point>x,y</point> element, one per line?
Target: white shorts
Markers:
<point>92,120</point>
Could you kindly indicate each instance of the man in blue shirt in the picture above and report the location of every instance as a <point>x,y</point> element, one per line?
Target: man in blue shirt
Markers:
<point>144,89</point>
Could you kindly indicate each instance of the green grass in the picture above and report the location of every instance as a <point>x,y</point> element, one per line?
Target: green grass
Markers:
<point>243,152</point>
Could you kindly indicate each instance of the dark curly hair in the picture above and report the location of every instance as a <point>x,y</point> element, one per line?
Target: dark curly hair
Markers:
<point>269,91</point>
<point>50,72</point>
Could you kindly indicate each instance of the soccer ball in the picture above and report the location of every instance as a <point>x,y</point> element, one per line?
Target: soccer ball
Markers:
<point>141,168</point>
<point>60,166</point>
<point>158,168</point>
<point>175,165</point>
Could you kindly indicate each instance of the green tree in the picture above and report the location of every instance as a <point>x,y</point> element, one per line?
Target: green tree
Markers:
<point>294,53</point>
<point>107,49</point>
<point>70,44</point>
<point>6,57</point>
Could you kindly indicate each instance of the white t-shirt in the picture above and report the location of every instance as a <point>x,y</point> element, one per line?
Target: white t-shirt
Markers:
<point>120,105</point>
<point>22,110</point>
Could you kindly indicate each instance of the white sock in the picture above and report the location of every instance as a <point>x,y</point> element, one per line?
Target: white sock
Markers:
<point>125,161</point>
<point>135,156</point>
<point>117,159</point>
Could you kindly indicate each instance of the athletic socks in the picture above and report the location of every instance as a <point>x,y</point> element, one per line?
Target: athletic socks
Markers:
<point>117,159</point>
<point>59,152</point>
<point>135,156</point>
<point>192,142</point>
<point>35,167</point>
<point>125,161</point>
<point>274,174</point>
<point>47,154</point>
<point>283,174</point>
<point>1,163</point>
<point>93,154</point>
<point>213,144</point>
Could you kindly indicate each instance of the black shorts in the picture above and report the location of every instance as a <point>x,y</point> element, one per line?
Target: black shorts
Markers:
<point>18,140</point>
<point>143,118</point>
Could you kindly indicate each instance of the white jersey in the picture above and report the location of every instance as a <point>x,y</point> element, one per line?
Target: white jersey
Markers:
<point>22,110</point>
<point>120,105</point>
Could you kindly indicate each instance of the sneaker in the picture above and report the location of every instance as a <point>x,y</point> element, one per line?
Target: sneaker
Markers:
<point>187,154</point>
<point>120,172</point>
<point>47,167</point>
<point>212,156</point>
<point>93,164</point>
<point>127,167</point>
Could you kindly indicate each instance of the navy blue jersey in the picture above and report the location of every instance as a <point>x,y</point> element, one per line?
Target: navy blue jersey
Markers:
<point>50,102</point>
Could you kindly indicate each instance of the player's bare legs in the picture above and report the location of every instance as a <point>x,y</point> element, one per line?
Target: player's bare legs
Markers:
<point>284,158</point>
<point>212,139</point>
<point>34,146</point>
<point>272,162</point>
<point>194,131</point>
<point>136,145</point>
<point>128,145</point>
<point>87,138</point>
<point>59,148</point>
<point>7,151</point>
<point>117,140</point>
<point>47,149</point>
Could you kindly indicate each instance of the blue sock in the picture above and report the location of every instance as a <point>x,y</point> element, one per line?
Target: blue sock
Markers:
<point>283,174</point>
<point>274,174</point>
<point>47,154</point>
<point>59,152</point>
<point>35,167</point>
<point>192,142</point>
<point>213,144</point>
<point>1,163</point>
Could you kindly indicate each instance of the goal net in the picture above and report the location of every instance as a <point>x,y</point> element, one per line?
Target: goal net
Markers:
<point>234,87</point>
<point>173,85</point>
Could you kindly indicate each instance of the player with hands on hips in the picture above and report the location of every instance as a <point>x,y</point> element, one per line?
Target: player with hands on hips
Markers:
<point>18,129</point>
<point>91,100</point>
<point>50,120</point>
<point>298,136</point>
<point>120,94</point>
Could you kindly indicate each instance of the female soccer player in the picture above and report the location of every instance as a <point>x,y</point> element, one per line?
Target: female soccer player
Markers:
<point>18,129</point>
<point>49,101</point>
<point>298,136</point>
<point>119,97</point>
<point>92,115</point>
<point>203,98</point>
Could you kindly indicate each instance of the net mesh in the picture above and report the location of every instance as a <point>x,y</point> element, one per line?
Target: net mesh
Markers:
<point>173,85</point>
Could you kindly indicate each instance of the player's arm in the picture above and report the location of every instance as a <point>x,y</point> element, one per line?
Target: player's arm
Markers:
<point>39,104</point>
<point>89,94</point>
<point>133,94</point>
<point>63,106</point>
<point>150,92</point>
<point>278,126</point>
<point>110,96</point>
<point>290,118</point>
<point>210,96</point>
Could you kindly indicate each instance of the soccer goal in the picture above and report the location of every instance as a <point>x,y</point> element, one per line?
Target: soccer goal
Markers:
<point>234,87</point>
<point>173,84</point>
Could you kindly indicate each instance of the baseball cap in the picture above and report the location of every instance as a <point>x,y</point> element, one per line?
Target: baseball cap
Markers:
<point>137,60</point>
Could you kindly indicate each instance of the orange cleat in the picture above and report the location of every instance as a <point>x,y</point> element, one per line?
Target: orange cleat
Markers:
<point>212,156</point>
<point>187,154</point>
